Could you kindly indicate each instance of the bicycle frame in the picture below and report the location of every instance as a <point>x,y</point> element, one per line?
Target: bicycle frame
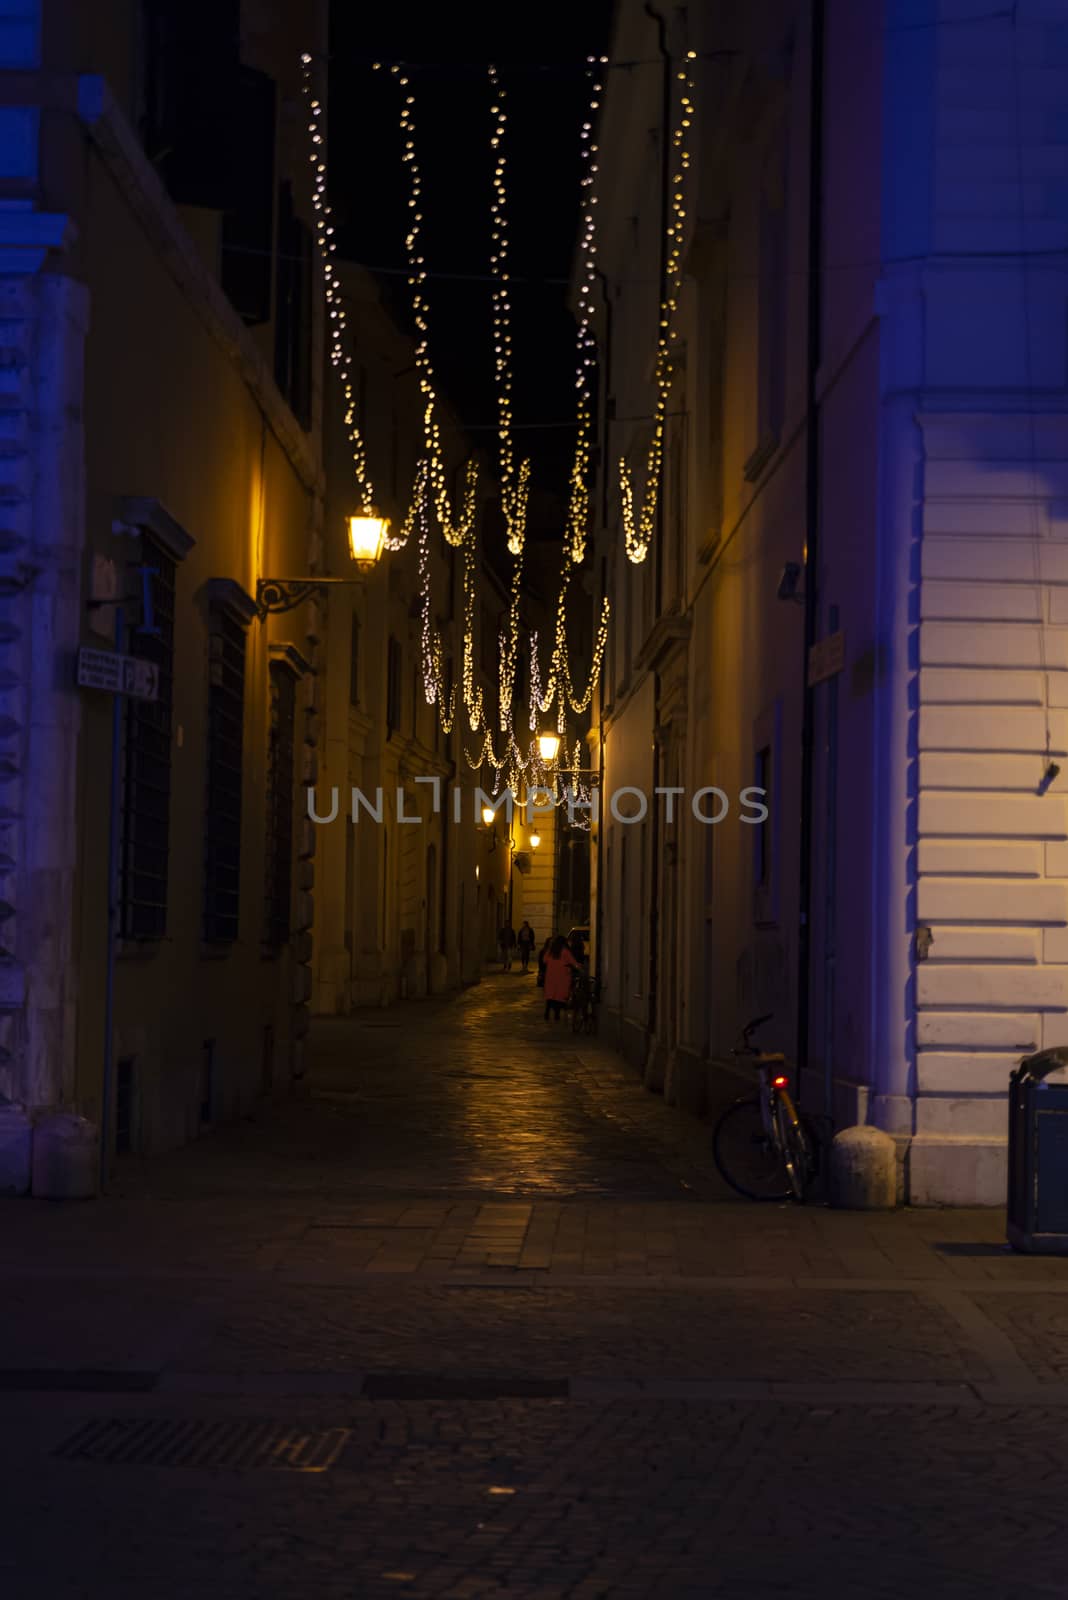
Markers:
<point>773,1091</point>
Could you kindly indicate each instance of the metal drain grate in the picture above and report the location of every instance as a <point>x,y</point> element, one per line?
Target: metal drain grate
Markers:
<point>234,1444</point>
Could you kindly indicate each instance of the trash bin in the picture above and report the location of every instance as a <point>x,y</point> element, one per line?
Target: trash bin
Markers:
<point>1038,1156</point>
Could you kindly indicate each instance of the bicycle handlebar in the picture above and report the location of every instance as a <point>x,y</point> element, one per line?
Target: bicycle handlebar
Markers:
<point>744,1047</point>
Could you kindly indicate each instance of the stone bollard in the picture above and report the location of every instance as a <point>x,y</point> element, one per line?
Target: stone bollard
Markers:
<point>66,1157</point>
<point>863,1170</point>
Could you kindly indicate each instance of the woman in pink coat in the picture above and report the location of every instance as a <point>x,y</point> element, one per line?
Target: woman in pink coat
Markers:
<point>559,964</point>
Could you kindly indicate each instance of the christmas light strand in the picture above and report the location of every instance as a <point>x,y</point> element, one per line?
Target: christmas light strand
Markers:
<point>340,358</point>
<point>455,525</point>
<point>472,695</point>
<point>514,483</point>
<point>638,526</point>
<point>578,517</point>
<point>434,691</point>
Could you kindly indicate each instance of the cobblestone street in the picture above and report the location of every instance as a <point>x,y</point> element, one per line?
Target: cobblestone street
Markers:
<point>473,1315</point>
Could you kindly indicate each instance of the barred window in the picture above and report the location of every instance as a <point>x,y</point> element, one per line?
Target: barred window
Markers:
<point>146,798</point>
<point>222,833</point>
<point>354,662</point>
<point>394,668</point>
<point>278,856</point>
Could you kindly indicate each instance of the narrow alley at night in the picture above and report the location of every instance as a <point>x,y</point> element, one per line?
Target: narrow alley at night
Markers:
<point>474,1315</point>
<point>533,800</point>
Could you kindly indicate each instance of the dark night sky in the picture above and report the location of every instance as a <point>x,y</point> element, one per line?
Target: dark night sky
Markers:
<point>541,54</point>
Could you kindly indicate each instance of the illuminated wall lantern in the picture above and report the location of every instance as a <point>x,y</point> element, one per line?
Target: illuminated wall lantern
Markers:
<point>548,746</point>
<point>367,535</point>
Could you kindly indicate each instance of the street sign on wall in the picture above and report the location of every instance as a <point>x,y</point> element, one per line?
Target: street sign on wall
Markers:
<point>826,658</point>
<point>118,674</point>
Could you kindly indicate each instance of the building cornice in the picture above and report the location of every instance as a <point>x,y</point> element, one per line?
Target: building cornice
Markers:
<point>281,653</point>
<point>229,596</point>
<point>140,184</point>
<point>668,635</point>
<point>26,236</point>
<point>138,514</point>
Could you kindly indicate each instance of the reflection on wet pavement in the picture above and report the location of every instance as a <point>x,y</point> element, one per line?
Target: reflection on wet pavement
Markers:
<point>480,1094</point>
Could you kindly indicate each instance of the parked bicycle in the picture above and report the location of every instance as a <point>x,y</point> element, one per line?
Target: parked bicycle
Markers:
<point>760,1144</point>
<point>585,995</point>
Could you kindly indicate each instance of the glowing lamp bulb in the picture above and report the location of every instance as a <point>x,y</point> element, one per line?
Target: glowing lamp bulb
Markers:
<point>488,815</point>
<point>548,745</point>
<point>367,535</point>
<point>535,840</point>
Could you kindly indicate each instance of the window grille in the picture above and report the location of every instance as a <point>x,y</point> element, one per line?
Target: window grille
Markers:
<point>278,852</point>
<point>393,687</point>
<point>146,799</point>
<point>222,833</point>
<point>354,662</point>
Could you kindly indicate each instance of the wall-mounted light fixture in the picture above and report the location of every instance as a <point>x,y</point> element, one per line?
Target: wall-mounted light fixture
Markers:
<point>548,746</point>
<point>367,537</point>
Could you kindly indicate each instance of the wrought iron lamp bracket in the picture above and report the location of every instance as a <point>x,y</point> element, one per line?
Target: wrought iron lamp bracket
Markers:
<point>274,595</point>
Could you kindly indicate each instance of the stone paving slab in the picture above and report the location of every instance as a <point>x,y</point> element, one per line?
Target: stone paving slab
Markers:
<point>563,1500</point>
<point>557,1332</point>
<point>565,1365</point>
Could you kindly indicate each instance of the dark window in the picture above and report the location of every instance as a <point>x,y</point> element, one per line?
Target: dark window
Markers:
<point>146,800</point>
<point>226,713</point>
<point>278,856</point>
<point>190,65</point>
<point>490,642</point>
<point>354,662</point>
<point>393,687</point>
<point>771,338</point>
<point>763,833</point>
<point>207,1080</point>
<point>246,266</point>
<point>267,1059</point>
<point>293,309</point>
<point>124,1106</point>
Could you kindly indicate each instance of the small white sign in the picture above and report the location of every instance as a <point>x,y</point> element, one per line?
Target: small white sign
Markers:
<point>118,674</point>
<point>826,658</point>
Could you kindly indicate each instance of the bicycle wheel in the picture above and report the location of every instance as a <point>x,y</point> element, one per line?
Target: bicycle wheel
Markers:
<point>745,1157</point>
<point>797,1153</point>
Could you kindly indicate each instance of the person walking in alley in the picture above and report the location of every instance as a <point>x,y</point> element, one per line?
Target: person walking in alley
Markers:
<point>526,944</point>
<point>559,964</point>
<point>506,940</point>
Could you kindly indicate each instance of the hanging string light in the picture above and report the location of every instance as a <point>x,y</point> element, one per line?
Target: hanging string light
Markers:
<point>340,358</point>
<point>514,484</point>
<point>472,695</point>
<point>578,516</point>
<point>434,690</point>
<point>578,703</point>
<point>455,525</point>
<point>638,526</point>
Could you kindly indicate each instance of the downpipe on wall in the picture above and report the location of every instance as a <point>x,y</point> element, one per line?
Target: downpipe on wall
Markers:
<point>654,871</point>
<point>812,536</point>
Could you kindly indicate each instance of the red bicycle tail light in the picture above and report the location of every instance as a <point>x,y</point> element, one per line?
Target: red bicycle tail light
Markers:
<point>779,1083</point>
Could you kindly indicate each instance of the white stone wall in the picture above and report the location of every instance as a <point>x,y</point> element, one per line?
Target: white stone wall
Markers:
<point>992,823</point>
